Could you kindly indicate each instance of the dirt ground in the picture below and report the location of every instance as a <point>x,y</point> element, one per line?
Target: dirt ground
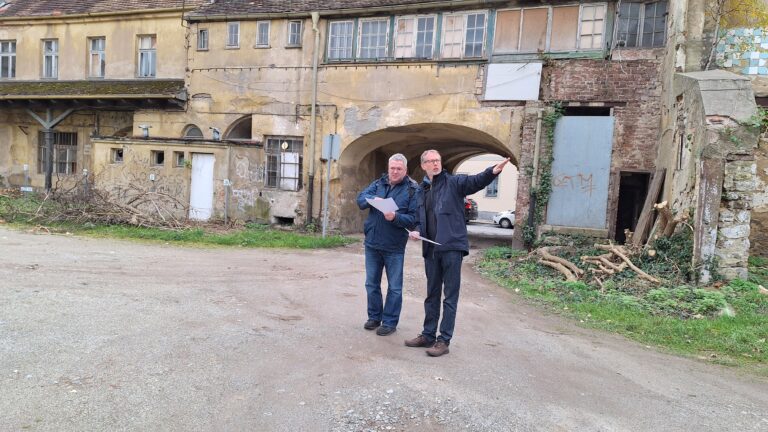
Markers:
<point>115,335</point>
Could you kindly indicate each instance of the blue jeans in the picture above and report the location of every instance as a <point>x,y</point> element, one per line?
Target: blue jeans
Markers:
<point>375,261</point>
<point>443,277</point>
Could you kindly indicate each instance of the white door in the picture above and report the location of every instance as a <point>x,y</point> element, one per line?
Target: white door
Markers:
<point>201,194</point>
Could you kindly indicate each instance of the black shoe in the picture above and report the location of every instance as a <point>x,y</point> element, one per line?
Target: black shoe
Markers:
<point>385,331</point>
<point>371,324</point>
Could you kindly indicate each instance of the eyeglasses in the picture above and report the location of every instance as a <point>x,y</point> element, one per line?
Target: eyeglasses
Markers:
<point>431,161</point>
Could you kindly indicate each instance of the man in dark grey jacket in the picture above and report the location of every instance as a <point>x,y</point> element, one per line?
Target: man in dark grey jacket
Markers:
<point>441,219</point>
<point>385,239</point>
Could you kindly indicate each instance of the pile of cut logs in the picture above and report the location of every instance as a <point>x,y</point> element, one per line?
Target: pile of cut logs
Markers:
<point>616,257</point>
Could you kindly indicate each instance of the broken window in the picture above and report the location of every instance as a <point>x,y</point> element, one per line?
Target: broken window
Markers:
<point>116,155</point>
<point>64,152</point>
<point>233,35</point>
<point>284,162</point>
<point>642,24</point>
<point>50,58</point>
<point>157,157</point>
<point>97,58</point>
<point>294,33</point>
<point>262,34</point>
<point>7,59</point>
<point>178,159</point>
<point>340,40</point>
<point>464,35</point>
<point>550,29</point>
<point>373,38</point>
<point>415,37</point>
<point>147,56</point>
<point>202,39</point>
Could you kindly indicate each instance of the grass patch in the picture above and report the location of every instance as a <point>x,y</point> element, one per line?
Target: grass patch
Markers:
<point>16,210</point>
<point>725,324</point>
<point>255,236</point>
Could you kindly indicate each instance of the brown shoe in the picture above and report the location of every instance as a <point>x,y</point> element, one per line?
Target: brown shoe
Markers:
<point>419,341</point>
<point>439,349</point>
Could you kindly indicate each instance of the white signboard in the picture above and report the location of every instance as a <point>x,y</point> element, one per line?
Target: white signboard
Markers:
<point>513,82</point>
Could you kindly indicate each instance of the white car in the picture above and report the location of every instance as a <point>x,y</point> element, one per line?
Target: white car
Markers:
<point>505,219</point>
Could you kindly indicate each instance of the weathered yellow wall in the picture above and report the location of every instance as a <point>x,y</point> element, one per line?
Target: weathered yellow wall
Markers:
<point>274,85</point>
<point>19,142</point>
<point>243,165</point>
<point>121,44</point>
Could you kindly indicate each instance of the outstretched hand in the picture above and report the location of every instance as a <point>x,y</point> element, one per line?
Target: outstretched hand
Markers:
<point>500,166</point>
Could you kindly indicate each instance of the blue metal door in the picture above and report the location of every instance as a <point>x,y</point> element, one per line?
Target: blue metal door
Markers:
<point>580,172</point>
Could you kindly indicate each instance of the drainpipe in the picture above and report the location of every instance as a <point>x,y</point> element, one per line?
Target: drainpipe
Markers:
<point>536,146</point>
<point>313,121</point>
<point>535,175</point>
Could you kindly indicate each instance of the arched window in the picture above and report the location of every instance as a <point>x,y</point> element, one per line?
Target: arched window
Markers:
<point>240,130</point>
<point>193,132</point>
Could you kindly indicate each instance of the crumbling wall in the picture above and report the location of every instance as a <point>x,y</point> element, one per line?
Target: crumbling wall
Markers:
<point>732,248</point>
<point>709,158</point>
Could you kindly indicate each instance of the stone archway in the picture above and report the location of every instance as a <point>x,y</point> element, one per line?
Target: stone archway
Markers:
<point>365,159</point>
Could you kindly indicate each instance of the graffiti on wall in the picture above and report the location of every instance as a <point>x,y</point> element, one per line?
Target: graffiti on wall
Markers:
<point>579,182</point>
<point>245,170</point>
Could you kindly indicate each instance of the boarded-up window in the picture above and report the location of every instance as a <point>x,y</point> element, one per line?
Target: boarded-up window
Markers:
<point>404,39</point>
<point>550,29</point>
<point>534,34</point>
<point>565,25</point>
<point>507,31</point>
<point>453,36</point>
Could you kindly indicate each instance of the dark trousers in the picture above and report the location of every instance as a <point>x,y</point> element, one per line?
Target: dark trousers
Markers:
<point>443,279</point>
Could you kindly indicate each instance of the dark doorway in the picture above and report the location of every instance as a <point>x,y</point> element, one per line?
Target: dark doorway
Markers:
<point>633,187</point>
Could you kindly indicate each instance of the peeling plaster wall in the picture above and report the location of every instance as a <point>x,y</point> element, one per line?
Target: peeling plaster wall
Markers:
<point>21,143</point>
<point>356,101</point>
<point>243,165</point>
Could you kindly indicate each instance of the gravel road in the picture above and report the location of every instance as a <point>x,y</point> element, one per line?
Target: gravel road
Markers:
<point>114,335</point>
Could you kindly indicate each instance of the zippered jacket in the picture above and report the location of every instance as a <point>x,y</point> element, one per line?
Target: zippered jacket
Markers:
<point>449,192</point>
<point>380,233</point>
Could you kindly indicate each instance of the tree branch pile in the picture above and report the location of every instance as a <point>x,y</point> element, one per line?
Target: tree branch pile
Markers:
<point>135,206</point>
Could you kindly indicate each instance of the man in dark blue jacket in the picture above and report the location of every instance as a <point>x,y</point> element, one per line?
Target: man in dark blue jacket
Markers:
<point>385,239</point>
<point>441,219</point>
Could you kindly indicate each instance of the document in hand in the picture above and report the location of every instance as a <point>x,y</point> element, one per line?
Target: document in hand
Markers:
<point>423,239</point>
<point>385,205</point>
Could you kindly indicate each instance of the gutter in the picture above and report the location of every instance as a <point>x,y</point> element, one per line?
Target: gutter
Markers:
<point>313,120</point>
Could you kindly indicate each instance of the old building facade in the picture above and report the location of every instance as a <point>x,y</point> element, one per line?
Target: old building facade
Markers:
<point>577,94</point>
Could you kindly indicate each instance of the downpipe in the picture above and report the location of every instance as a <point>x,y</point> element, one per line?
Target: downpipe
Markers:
<point>313,120</point>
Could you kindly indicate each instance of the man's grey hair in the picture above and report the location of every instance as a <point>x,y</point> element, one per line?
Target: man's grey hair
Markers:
<point>399,157</point>
<point>424,155</point>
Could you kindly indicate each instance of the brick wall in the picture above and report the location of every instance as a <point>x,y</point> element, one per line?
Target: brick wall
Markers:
<point>633,88</point>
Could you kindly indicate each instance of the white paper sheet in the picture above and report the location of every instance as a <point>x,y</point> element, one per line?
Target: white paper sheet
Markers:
<point>422,238</point>
<point>385,205</point>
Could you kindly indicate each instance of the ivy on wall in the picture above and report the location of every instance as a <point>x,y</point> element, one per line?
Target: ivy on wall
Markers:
<point>543,190</point>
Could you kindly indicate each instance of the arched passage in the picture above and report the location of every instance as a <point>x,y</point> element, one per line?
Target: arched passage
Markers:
<point>365,158</point>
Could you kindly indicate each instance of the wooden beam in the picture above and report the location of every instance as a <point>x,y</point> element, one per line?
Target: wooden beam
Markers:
<point>646,216</point>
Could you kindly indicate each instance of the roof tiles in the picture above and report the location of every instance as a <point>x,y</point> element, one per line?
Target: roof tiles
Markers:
<point>52,8</point>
